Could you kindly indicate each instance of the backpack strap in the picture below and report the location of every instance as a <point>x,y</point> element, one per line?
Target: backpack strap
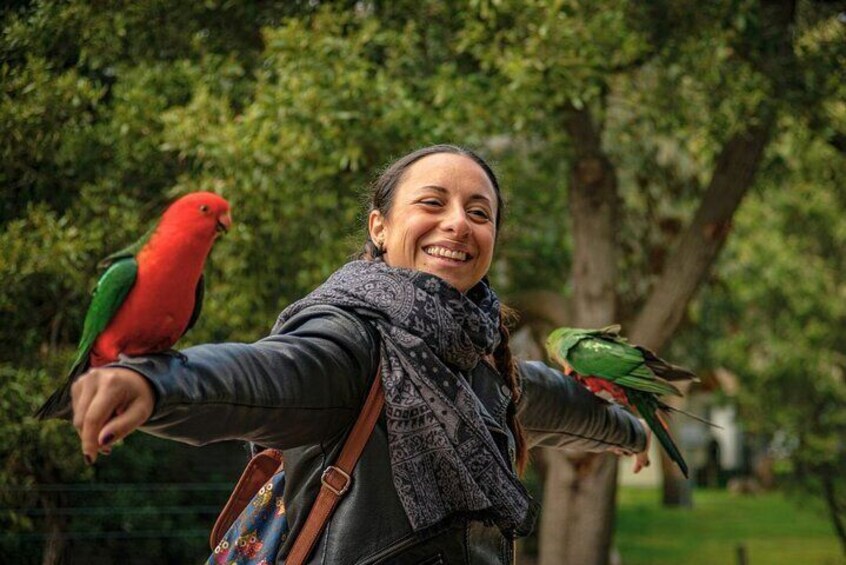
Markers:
<point>258,471</point>
<point>336,479</point>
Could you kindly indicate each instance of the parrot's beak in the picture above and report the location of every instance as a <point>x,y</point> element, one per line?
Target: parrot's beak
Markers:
<point>224,223</point>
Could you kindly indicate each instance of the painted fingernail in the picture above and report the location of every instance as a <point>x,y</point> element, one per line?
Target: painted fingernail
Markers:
<point>108,438</point>
<point>88,460</point>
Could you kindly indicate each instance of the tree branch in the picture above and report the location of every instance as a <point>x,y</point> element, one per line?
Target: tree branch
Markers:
<point>698,247</point>
<point>733,176</point>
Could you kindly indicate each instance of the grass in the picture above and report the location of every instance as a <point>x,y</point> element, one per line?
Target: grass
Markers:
<point>774,530</point>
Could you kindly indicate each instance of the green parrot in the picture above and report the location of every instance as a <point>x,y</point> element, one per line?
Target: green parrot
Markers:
<point>633,376</point>
<point>150,294</point>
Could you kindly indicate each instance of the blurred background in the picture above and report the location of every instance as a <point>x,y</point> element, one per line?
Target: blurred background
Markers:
<point>675,166</point>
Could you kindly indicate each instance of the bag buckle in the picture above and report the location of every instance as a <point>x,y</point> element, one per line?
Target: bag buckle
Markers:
<point>338,491</point>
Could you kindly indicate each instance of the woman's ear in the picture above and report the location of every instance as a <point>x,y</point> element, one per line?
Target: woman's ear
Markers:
<point>376,227</point>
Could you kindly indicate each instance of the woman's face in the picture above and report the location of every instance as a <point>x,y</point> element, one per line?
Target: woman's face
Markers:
<point>441,220</point>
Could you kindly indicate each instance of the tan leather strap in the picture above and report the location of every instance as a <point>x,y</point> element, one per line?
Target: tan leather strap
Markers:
<point>258,471</point>
<point>336,478</point>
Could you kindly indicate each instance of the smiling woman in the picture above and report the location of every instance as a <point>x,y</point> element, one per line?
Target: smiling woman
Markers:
<point>441,219</point>
<point>437,482</point>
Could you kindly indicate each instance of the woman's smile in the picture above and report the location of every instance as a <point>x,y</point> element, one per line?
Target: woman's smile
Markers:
<point>451,255</point>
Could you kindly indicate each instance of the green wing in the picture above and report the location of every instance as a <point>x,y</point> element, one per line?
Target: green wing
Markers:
<point>617,362</point>
<point>199,294</point>
<point>109,295</point>
<point>568,338</point>
<point>130,250</point>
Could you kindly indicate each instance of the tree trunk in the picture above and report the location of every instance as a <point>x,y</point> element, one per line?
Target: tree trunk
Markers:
<point>835,510</point>
<point>581,490</point>
<point>697,249</point>
<point>56,526</point>
<point>580,524</point>
<point>579,493</point>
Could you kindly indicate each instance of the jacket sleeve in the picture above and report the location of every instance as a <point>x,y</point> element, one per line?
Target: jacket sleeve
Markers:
<point>556,411</point>
<point>298,386</point>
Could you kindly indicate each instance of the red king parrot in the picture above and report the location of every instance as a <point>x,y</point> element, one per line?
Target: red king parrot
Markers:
<point>605,362</point>
<point>151,292</point>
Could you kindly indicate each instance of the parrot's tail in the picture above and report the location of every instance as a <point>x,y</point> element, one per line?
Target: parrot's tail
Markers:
<point>668,408</point>
<point>59,403</point>
<point>57,406</point>
<point>665,370</point>
<point>648,409</point>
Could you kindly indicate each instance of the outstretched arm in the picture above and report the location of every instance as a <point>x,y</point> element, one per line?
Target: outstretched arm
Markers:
<point>295,387</point>
<point>556,411</point>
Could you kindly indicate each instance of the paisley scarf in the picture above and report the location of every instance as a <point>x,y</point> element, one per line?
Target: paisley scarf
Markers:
<point>444,462</point>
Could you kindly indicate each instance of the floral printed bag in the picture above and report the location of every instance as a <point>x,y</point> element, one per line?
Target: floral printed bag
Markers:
<point>253,525</point>
<point>261,528</point>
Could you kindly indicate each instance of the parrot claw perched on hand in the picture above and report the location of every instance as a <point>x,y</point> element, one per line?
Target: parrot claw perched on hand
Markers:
<point>631,375</point>
<point>151,292</point>
<point>177,354</point>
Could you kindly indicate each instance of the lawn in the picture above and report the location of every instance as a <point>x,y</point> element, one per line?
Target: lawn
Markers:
<point>773,529</point>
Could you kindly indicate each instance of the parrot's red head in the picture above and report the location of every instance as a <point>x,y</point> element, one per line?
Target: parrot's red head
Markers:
<point>203,213</point>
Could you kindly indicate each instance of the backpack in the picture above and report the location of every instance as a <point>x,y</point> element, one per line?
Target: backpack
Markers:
<point>253,526</point>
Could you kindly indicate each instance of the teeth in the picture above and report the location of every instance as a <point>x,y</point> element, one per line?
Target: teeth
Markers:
<point>449,254</point>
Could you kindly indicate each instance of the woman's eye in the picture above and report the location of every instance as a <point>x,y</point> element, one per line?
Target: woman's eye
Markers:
<point>431,202</point>
<point>480,214</point>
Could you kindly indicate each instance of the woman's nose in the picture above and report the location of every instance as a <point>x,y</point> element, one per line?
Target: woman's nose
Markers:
<point>457,222</point>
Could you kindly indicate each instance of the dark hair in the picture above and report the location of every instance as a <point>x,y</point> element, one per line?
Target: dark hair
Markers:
<point>381,198</point>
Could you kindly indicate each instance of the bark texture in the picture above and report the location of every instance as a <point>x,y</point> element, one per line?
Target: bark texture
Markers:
<point>579,493</point>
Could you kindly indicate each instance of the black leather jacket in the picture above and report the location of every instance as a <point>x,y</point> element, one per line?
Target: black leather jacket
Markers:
<point>301,389</point>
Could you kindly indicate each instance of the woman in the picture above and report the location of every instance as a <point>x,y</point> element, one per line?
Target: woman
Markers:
<point>436,481</point>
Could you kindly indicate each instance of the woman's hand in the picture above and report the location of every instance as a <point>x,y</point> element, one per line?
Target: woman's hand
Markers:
<point>641,458</point>
<point>109,404</point>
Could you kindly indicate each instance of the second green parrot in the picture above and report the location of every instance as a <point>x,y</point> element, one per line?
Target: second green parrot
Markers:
<point>635,377</point>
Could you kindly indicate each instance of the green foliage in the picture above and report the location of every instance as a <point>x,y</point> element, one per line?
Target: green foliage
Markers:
<point>778,317</point>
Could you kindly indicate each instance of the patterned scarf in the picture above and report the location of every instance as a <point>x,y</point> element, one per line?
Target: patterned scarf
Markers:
<point>444,462</point>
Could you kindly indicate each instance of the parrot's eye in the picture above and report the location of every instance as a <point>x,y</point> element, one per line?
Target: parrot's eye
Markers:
<point>204,208</point>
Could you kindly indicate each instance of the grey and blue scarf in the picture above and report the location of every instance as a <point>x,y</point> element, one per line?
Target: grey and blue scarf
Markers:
<point>444,462</point>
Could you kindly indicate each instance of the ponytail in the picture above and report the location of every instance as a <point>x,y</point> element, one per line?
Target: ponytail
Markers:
<point>506,366</point>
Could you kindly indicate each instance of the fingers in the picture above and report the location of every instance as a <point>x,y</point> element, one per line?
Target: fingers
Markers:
<point>642,458</point>
<point>108,404</point>
<point>82,393</point>
<point>641,461</point>
<point>122,424</point>
<point>99,411</point>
